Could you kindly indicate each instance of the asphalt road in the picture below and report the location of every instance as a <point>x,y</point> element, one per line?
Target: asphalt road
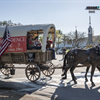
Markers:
<point>54,88</point>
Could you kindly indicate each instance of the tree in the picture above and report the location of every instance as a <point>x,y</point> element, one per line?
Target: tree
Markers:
<point>58,37</point>
<point>40,37</point>
<point>9,23</point>
<point>64,39</point>
<point>75,39</point>
<point>98,40</point>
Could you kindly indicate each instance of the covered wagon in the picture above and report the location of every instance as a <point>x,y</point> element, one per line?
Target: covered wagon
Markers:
<point>18,52</point>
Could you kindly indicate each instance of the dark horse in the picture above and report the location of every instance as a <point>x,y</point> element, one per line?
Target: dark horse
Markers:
<point>79,56</point>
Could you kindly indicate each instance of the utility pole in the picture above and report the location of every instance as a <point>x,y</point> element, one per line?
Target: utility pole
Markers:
<point>76,37</point>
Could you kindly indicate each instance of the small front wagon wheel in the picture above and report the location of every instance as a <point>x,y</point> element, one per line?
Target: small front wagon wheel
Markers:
<point>48,72</point>
<point>33,72</point>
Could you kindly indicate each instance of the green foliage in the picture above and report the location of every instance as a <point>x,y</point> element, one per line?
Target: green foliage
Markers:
<point>98,39</point>
<point>40,37</point>
<point>9,23</point>
<point>64,39</point>
<point>58,37</point>
<point>89,46</point>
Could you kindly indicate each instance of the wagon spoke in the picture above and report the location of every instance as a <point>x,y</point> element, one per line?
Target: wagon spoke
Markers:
<point>49,72</point>
<point>28,72</point>
<point>31,77</point>
<point>3,70</point>
<point>35,76</point>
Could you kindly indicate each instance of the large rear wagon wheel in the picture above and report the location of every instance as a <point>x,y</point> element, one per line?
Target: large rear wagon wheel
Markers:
<point>48,72</point>
<point>33,72</point>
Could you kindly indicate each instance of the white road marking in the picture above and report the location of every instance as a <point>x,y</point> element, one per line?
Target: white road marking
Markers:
<point>55,80</point>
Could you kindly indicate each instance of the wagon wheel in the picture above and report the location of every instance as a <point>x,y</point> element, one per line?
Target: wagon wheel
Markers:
<point>48,72</point>
<point>32,72</point>
<point>5,70</point>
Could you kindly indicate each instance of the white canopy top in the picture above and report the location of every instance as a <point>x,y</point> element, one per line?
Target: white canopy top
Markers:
<point>23,29</point>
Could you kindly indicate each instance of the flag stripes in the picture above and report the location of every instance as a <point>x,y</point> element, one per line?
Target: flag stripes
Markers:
<point>6,41</point>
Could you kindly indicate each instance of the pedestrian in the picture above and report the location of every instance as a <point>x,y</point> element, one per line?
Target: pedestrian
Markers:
<point>64,52</point>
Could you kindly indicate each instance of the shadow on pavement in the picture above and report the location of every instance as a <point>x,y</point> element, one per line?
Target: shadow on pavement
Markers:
<point>11,91</point>
<point>76,92</point>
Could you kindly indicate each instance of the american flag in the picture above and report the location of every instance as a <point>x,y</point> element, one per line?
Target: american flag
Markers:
<point>6,41</point>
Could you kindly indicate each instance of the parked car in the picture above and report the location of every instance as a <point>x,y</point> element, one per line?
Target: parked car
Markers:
<point>59,51</point>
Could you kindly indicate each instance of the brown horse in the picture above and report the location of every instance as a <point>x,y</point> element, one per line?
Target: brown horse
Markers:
<point>79,56</point>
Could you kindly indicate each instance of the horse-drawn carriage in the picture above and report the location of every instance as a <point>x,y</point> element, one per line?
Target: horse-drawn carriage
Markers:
<point>17,53</point>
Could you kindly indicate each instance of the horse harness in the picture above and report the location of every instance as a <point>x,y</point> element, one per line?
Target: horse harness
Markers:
<point>88,54</point>
<point>71,58</point>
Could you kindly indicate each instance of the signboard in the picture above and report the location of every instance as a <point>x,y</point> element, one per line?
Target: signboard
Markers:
<point>18,44</point>
<point>93,8</point>
<point>31,57</point>
<point>91,11</point>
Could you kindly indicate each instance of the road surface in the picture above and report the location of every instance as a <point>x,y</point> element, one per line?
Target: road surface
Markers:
<point>54,88</point>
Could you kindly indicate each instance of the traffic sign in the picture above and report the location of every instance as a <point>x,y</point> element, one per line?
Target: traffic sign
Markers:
<point>92,8</point>
<point>91,11</point>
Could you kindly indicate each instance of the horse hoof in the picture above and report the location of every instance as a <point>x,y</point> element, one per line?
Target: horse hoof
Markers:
<point>86,80</point>
<point>75,82</point>
<point>93,84</point>
<point>64,78</point>
<point>62,74</point>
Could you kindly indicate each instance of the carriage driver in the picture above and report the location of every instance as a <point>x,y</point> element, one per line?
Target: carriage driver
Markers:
<point>48,47</point>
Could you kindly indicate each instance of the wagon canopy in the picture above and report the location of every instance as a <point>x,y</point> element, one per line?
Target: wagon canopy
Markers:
<point>23,29</point>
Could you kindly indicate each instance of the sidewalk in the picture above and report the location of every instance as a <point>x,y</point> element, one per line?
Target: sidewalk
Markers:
<point>14,95</point>
<point>10,91</point>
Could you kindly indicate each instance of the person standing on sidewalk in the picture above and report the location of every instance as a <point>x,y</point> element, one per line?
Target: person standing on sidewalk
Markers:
<point>64,52</point>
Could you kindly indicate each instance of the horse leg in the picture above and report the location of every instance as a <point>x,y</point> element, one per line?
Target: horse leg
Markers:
<point>87,69</point>
<point>98,68</point>
<point>75,77</point>
<point>65,73</point>
<point>72,74</point>
<point>92,72</point>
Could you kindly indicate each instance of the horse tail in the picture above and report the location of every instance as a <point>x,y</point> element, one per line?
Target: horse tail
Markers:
<point>64,62</point>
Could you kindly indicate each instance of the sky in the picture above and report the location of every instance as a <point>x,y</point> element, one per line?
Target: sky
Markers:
<point>64,14</point>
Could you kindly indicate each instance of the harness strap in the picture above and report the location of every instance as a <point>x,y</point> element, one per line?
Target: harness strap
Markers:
<point>88,54</point>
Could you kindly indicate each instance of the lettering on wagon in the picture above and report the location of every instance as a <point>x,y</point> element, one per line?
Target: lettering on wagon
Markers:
<point>21,39</point>
<point>18,44</point>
